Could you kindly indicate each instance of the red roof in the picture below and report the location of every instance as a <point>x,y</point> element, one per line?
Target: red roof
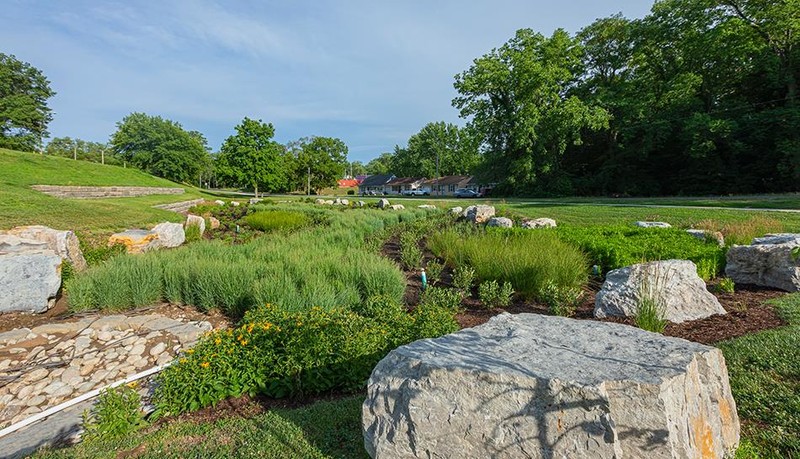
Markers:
<point>348,183</point>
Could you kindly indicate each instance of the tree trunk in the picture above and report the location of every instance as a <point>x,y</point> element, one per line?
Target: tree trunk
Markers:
<point>256,189</point>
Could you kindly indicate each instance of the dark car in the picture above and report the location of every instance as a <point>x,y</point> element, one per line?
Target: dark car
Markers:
<point>466,193</point>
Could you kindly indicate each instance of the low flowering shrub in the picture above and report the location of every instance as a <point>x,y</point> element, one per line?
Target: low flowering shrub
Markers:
<point>493,295</point>
<point>280,353</point>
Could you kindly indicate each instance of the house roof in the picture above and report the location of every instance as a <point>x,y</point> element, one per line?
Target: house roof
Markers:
<point>404,180</point>
<point>377,180</point>
<point>347,183</point>
<point>447,180</point>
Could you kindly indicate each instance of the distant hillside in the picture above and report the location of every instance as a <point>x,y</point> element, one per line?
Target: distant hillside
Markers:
<point>25,169</point>
<point>20,205</point>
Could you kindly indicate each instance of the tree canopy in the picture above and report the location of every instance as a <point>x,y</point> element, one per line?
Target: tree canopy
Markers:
<point>83,150</point>
<point>438,147</point>
<point>251,159</point>
<point>24,114</point>
<point>160,147</point>
<point>320,160</point>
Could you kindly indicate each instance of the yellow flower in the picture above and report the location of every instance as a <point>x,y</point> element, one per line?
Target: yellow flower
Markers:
<point>132,384</point>
<point>244,342</point>
<point>182,361</point>
<point>250,328</point>
<point>218,341</point>
<point>205,364</point>
<point>190,351</point>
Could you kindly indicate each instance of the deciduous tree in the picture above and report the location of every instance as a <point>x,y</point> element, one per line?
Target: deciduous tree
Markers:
<point>24,114</point>
<point>251,159</point>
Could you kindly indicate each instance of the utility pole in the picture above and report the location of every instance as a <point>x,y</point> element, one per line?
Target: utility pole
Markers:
<point>103,155</point>
<point>308,182</point>
<point>75,151</point>
<point>438,187</point>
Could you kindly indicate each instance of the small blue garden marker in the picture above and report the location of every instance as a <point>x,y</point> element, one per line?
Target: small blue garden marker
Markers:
<point>424,279</point>
<point>596,270</point>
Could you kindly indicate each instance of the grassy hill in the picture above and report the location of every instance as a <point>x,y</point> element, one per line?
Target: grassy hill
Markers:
<point>21,205</point>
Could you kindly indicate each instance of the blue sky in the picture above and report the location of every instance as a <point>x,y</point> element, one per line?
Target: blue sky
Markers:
<point>369,72</point>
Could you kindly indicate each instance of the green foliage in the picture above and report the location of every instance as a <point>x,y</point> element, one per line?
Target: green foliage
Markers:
<point>116,414</point>
<point>613,247</point>
<point>796,253</point>
<point>251,159</point>
<point>463,278</point>
<point>272,220</point>
<point>324,158</point>
<point>81,150</point>
<point>764,371</point>
<point>445,298</point>
<point>493,296</point>
<point>433,271</point>
<point>529,260</point>
<point>380,165</point>
<point>161,147</point>
<point>192,233</point>
<point>650,315</point>
<point>726,285</point>
<point>281,353</point>
<point>442,147</point>
<point>323,266</point>
<point>561,300</point>
<point>24,114</point>
<point>410,253</point>
<point>97,254</point>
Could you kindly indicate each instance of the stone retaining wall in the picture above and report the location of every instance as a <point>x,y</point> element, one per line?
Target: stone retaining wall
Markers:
<point>100,192</point>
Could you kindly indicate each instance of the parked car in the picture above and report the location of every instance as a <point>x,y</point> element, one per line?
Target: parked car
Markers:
<point>466,193</point>
<point>415,193</point>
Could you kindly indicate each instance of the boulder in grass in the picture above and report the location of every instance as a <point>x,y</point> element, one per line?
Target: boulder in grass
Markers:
<point>397,207</point>
<point>213,222</point>
<point>361,204</point>
<point>383,203</point>
<point>653,225</point>
<point>479,214</point>
<point>219,202</point>
<point>537,386</point>
<point>539,223</point>
<point>427,207</point>
<point>255,200</point>
<point>345,202</point>
<point>319,201</point>
<point>770,262</point>
<point>63,242</point>
<point>500,222</point>
<point>196,220</point>
<point>673,283</point>
<point>136,240</point>
<point>235,203</point>
<point>30,275</point>
<point>170,234</point>
<point>705,235</point>
<point>456,210</point>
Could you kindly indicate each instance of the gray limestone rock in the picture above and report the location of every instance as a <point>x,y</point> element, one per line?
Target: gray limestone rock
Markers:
<point>769,262</point>
<point>500,222</point>
<point>64,243</point>
<point>538,386</point>
<point>30,275</point>
<point>539,223</point>
<point>705,235</point>
<point>196,220</point>
<point>383,203</point>
<point>653,225</point>
<point>397,207</point>
<point>170,234</point>
<point>675,282</point>
<point>456,210</point>
<point>479,214</point>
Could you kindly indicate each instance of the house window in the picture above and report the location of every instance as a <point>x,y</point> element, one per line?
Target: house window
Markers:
<point>452,188</point>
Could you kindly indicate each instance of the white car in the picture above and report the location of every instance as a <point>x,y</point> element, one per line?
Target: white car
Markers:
<point>415,193</point>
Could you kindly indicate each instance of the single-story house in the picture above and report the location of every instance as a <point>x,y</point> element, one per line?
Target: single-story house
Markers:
<point>347,183</point>
<point>445,186</point>
<point>481,187</point>
<point>400,184</point>
<point>374,184</point>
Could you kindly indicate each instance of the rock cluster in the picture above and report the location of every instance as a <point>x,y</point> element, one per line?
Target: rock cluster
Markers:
<point>673,284</point>
<point>51,363</point>
<point>771,261</point>
<point>530,385</point>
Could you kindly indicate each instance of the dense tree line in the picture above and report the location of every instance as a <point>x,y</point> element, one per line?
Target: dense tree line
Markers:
<point>700,96</point>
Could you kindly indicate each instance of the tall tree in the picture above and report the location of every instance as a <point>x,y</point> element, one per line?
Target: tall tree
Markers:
<point>251,159</point>
<point>318,161</point>
<point>516,98</point>
<point>160,147</point>
<point>440,148</point>
<point>357,168</point>
<point>380,165</point>
<point>24,114</point>
<point>83,150</point>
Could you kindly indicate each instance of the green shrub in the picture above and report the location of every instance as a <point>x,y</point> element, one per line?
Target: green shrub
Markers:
<point>726,285</point>
<point>493,296</point>
<point>97,254</point>
<point>433,271</point>
<point>192,233</point>
<point>613,247</point>
<point>273,220</point>
<point>116,414</point>
<point>561,300</point>
<point>410,253</point>
<point>351,192</point>
<point>445,298</point>
<point>280,353</point>
<point>463,278</point>
<point>529,260</point>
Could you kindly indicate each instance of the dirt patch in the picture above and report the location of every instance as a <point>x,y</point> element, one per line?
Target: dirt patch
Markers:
<point>60,313</point>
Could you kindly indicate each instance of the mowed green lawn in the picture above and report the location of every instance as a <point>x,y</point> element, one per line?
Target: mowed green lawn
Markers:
<point>21,205</point>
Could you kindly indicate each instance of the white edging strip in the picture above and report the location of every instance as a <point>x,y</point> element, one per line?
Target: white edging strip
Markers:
<point>82,398</point>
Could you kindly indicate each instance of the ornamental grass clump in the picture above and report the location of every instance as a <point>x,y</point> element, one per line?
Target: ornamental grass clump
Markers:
<point>280,353</point>
<point>528,260</point>
<point>651,304</point>
<point>273,220</point>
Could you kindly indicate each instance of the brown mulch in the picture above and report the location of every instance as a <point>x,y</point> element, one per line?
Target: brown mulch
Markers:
<point>60,313</point>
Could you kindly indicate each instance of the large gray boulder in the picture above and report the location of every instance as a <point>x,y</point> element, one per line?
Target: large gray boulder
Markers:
<point>500,222</point>
<point>63,242</point>
<point>196,220</point>
<point>383,203</point>
<point>170,234</point>
<point>653,225</point>
<point>539,223</point>
<point>456,210</point>
<point>769,262</point>
<point>30,275</point>
<point>673,283</point>
<point>535,386</point>
<point>705,235</point>
<point>479,214</point>
<point>136,240</point>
